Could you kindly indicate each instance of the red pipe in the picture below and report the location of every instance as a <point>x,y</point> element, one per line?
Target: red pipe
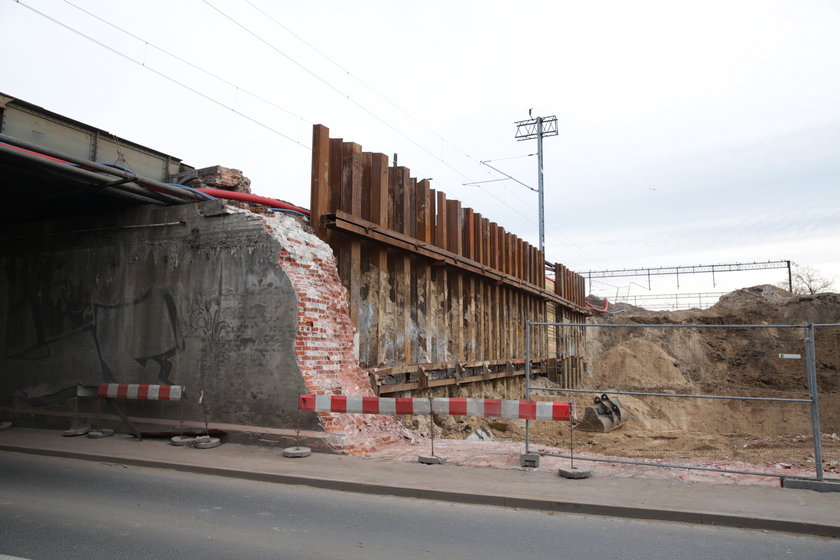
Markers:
<point>604,310</point>
<point>18,148</point>
<point>245,197</point>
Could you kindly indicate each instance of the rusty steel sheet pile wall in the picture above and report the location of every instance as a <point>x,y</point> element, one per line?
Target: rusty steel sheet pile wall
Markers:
<point>429,281</point>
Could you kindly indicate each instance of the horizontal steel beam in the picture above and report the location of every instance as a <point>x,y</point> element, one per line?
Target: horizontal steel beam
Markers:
<point>179,194</point>
<point>698,269</point>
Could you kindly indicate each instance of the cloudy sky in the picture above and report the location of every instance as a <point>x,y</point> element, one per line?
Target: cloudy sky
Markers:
<point>689,132</point>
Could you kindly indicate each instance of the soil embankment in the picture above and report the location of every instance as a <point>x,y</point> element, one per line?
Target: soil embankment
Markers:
<point>721,360</point>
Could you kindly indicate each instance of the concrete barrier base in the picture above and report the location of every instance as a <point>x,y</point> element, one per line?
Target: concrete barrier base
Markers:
<point>805,484</point>
<point>574,473</point>
<point>529,460</point>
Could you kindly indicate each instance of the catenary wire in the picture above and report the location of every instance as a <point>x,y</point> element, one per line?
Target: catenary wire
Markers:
<point>271,129</point>
<point>197,92</point>
<point>514,179</point>
<point>256,96</point>
<point>360,81</point>
<point>509,158</point>
<point>190,64</point>
<point>386,98</point>
<point>551,230</point>
<point>338,90</point>
<point>163,75</point>
<point>334,88</point>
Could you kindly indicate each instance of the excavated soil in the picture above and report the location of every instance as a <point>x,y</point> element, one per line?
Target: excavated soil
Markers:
<point>723,360</point>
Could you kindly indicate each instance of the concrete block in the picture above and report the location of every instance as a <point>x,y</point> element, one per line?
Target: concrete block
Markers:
<point>529,460</point>
<point>817,485</point>
<point>431,460</point>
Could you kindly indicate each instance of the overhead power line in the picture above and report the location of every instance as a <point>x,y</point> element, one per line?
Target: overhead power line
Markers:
<point>392,103</point>
<point>509,158</point>
<point>359,80</point>
<point>509,177</point>
<point>334,88</point>
<point>188,63</point>
<point>213,75</point>
<point>269,102</point>
<point>162,75</point>
<point>483,182</point>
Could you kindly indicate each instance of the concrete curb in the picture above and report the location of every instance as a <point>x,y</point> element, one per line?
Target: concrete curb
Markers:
<point>344,485</point>
<point>832,485</point>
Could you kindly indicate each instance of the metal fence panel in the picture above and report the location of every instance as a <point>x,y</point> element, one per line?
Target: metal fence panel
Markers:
<point>732,398</point>
<point>827,365</point>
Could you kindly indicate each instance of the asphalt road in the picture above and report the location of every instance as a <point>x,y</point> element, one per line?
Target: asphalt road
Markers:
<point>54,508</point>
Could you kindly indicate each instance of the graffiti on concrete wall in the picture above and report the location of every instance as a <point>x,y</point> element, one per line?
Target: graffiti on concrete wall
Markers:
<point>204,320</point>
<point>122,342</point>
<point>139,338</point>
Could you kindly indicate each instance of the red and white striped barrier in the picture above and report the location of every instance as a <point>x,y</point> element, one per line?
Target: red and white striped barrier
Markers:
<point>489,408</point>
<point>140,392</point>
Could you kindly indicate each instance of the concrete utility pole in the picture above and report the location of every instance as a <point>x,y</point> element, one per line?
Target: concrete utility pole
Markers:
<point>538,128</point>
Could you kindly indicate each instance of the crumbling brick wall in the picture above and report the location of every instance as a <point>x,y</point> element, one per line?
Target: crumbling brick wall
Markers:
<point>324,343</point>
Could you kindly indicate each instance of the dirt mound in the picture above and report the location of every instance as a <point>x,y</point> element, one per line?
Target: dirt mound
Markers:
<point>631,365</point>
<point>738,358</point>
<point>718,357</point>
<point>758,305</point>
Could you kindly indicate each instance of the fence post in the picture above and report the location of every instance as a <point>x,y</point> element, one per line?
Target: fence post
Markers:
<point>811,365</point>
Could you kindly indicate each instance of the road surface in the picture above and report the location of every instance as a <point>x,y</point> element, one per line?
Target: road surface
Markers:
<point>53,508</point>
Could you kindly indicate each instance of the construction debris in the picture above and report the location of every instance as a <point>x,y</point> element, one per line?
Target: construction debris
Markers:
<point>100,433</point>
<point>205,442</point>
<point>73,432</point>
<point>218,177</point>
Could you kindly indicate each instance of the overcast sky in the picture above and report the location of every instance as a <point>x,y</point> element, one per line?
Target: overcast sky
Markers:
<point>689,132</point>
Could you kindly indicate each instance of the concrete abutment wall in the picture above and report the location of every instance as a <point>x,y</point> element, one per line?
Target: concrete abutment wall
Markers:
<point>247,307</point>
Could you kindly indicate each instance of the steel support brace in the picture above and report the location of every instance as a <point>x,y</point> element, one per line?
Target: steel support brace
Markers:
<point>811,365</point>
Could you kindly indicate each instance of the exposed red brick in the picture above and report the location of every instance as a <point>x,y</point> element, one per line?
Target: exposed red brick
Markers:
<point>324,346</point>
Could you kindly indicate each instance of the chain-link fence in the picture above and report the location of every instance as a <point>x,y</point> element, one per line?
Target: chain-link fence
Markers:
<point>731,398</point>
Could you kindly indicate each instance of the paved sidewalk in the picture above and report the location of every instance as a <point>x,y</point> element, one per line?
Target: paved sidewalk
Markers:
<point>757,507</point>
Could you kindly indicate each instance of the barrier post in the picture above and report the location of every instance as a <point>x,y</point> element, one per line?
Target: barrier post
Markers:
<point>528,459</point>
<point>305,402</point>
<point>527,380</point>
<point>432,459</point>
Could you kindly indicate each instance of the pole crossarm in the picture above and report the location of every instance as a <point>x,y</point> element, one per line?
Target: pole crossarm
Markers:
<point>528,130</point>
<point>695,269</point>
